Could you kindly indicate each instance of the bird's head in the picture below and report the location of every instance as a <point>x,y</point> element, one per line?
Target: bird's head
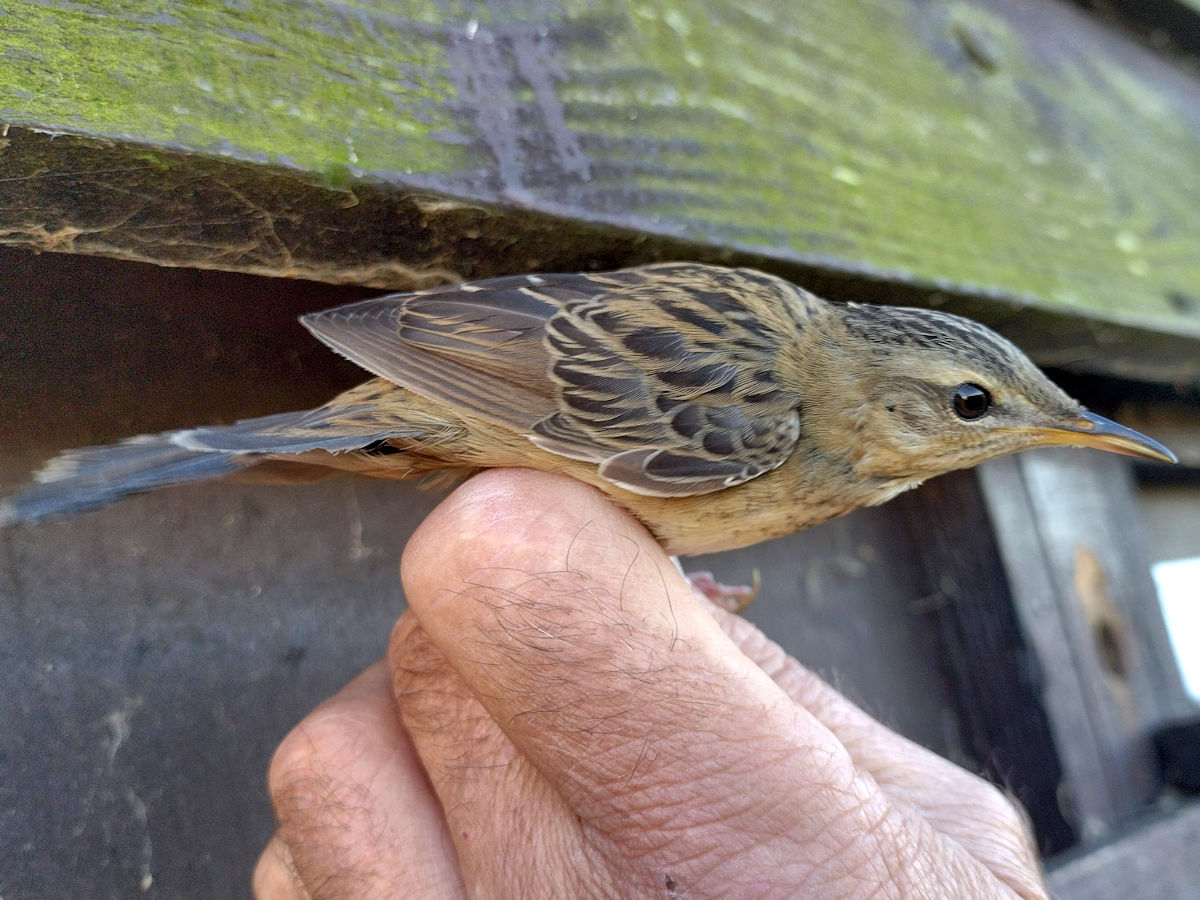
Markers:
<point>939,392</point>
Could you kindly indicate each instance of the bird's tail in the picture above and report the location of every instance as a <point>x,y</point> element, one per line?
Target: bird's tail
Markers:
<point>91,477</point>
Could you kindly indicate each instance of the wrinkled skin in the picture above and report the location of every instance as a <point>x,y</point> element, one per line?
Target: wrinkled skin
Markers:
<point>560,716</point>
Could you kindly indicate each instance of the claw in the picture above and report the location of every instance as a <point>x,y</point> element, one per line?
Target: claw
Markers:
<point>734,598</point>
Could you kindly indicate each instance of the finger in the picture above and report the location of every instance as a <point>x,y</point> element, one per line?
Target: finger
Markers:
<point>513,834</point>
<point>275,877</point>
<point>349,791</point>
<point>577,634</point>
<point>958,804</point>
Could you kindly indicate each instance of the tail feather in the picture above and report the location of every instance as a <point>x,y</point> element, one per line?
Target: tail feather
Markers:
<point>333,429</point>
<point>81,480</point>
<point>91,477</point>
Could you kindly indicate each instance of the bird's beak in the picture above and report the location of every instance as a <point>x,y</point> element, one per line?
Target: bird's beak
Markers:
<point>1091,430</point>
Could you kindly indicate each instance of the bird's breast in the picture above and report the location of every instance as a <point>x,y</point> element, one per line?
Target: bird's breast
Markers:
<point>794,496</point>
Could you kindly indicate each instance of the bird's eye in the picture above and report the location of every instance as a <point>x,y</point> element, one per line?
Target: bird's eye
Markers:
<point>971,401</point>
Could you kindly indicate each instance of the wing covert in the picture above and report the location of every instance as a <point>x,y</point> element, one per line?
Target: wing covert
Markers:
<point>663,376</point>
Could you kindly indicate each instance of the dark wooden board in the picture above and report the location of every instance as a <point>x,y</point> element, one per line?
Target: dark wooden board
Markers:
<point>154,653</point>
<point>164,645</point>
<point>994,671</point>
<point>1171,26</point>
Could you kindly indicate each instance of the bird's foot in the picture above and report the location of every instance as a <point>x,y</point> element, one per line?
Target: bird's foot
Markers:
<point>733,597</point>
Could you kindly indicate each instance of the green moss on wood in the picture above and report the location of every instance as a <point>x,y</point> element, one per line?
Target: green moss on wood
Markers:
<point>995,147</point>
<point>314,86</point>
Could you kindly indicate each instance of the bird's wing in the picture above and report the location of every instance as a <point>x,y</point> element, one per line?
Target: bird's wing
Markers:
<point>476,347</point>
<point>664,376</point>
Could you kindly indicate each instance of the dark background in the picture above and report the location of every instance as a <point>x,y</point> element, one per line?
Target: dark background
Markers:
<point>153,654</point>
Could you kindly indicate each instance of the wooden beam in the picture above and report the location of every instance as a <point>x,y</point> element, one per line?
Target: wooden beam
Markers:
<point>1156,860</point>
<point>1016,157</point>
<point>994,675</point>
<point>1067,527</point>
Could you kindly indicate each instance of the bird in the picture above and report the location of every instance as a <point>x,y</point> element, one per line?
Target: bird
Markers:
<point>720,406</point>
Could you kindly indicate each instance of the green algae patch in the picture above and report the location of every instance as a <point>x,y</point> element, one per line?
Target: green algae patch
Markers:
<point>296,83</point>
<point>993,148</point>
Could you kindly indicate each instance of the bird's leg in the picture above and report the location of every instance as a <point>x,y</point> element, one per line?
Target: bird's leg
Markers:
<point>733,597</point>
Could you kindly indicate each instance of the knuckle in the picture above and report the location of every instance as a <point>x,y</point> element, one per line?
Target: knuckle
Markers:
<point>304,758</point>
<point>274,876</point>
<point>1004,810</point>
<point>415,662</point>
<point>294,761</point>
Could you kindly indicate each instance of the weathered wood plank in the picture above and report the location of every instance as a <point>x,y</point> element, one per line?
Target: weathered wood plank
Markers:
<point>124,200</point>
<point>1157,860</point>
<point>1067,529</point>
<point>993,673</point>
<point>1029,154</point>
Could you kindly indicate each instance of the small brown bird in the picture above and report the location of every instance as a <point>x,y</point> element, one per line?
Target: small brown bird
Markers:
<point>720,406</point>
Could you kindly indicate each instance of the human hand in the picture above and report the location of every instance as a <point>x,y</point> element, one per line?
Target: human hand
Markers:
<point>559,716</point>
